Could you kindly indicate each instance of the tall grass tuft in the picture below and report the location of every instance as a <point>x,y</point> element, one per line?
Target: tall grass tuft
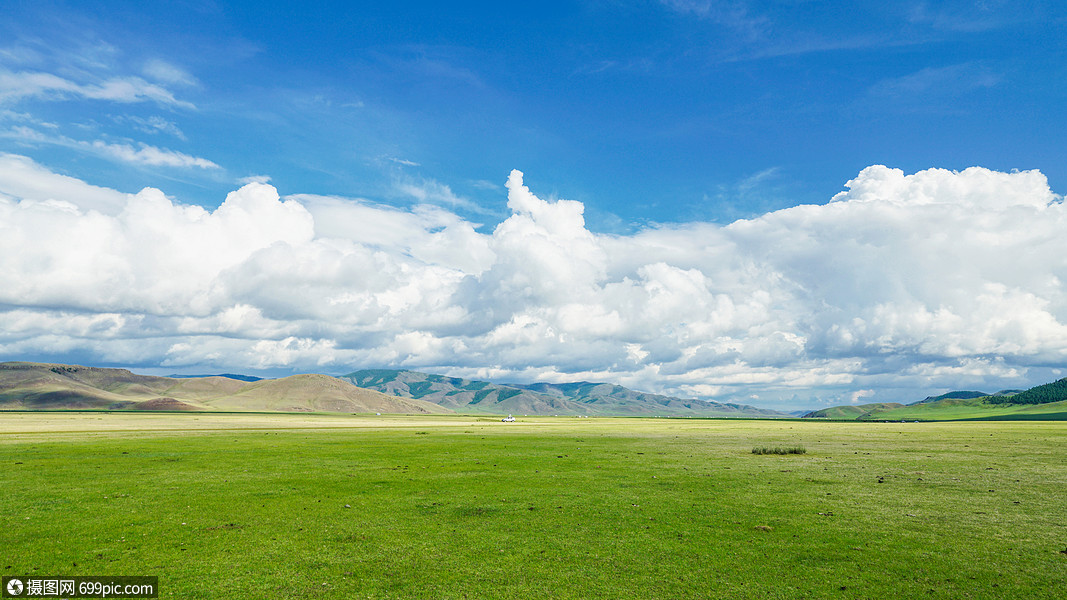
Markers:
<point>778,450</point>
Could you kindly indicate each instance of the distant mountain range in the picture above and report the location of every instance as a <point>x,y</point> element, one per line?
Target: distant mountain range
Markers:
<point>1043,402</point>
<point>248,378</point>
<point>965,395</point>
<point>583,398</point>
<point>39,386</point>
<point>44,386</point>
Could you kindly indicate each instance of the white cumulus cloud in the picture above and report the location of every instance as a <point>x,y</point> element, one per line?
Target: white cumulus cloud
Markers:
<point>902,282</point>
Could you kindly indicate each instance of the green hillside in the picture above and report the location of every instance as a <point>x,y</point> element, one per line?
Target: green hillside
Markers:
<point>856,412</point>
<point>963,395</point>
<point>1042,394</point>
<point>975,408</point>
<point>1043,402</point>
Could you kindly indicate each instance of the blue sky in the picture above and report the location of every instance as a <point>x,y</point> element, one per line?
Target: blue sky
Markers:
<point>665,122</point>
<point>644,111</point>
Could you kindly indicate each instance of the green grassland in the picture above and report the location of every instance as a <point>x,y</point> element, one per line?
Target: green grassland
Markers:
<point>332,506</point>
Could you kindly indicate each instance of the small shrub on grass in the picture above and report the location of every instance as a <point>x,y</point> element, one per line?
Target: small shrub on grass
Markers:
<point>778,450</point>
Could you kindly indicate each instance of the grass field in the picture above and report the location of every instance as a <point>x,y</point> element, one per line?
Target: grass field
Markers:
<point>317,506</point>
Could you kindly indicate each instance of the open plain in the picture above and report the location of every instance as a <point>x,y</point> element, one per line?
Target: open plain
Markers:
<point>362,506</point>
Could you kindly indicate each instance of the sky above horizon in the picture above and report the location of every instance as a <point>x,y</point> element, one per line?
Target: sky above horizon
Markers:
<point>783,204</point>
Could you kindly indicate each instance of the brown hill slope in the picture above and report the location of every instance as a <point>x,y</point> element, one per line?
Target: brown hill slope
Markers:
<point>51,386</point>
<point>320,393</point>
<point>43,386</point>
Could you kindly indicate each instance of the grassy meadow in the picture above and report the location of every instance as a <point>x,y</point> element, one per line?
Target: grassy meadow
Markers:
<point>333,506</point>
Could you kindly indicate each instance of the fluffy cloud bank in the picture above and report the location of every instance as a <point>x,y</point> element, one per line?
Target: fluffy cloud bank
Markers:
<point>902,282</point>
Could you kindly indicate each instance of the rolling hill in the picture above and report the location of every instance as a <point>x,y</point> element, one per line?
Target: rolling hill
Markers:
<point>850,411</point>
<point>963,395</point>
<point>974,408</point>
<point>1043,402</point>
<point>41,386</point>
<point>468,396</point>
